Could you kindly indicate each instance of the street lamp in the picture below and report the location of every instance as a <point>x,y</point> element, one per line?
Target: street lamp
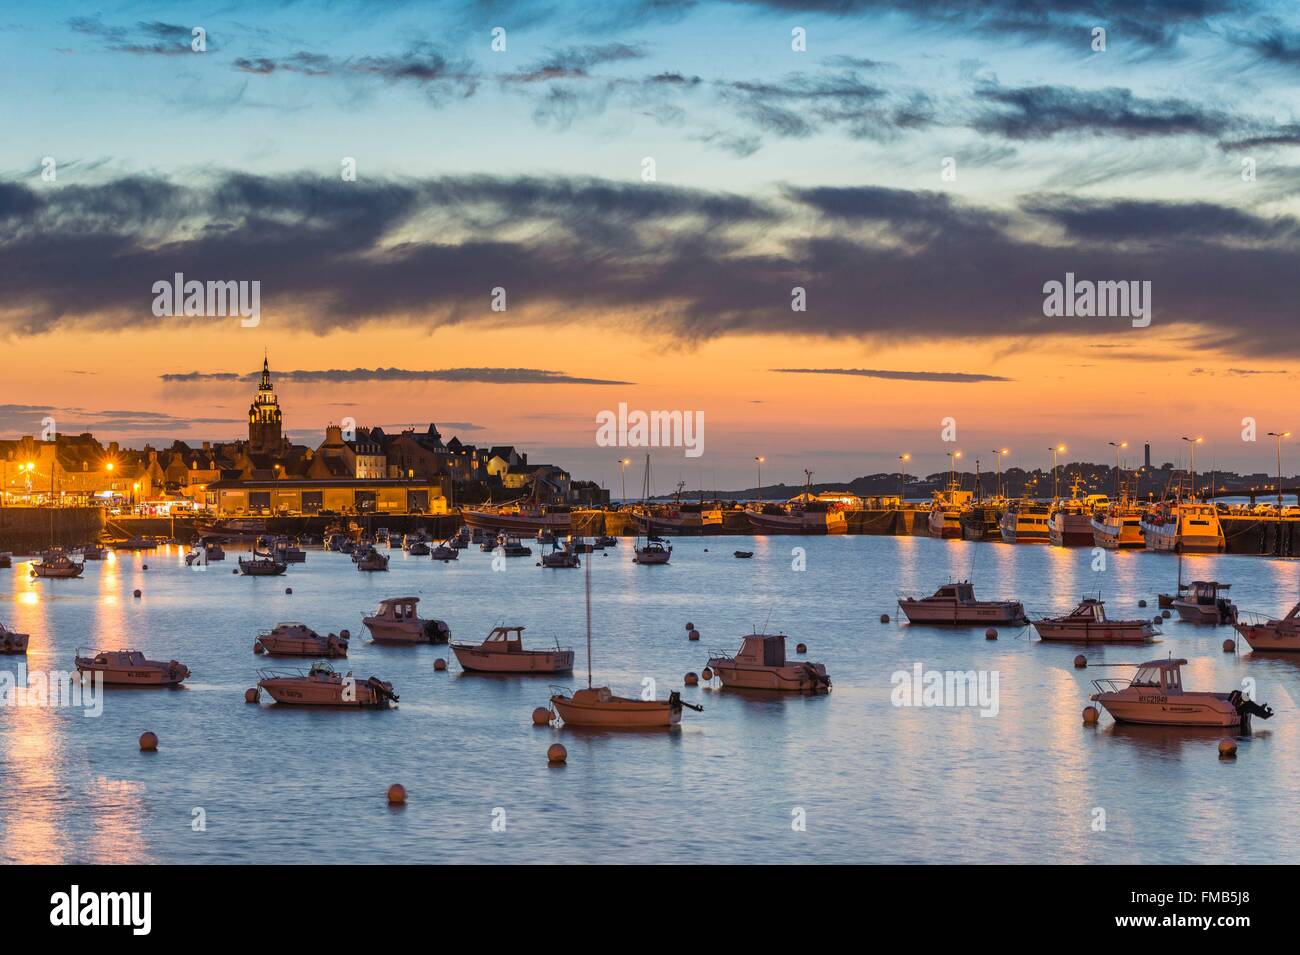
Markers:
<point>1060,448</point>
<point>1192,463</point>
<point>1279,435</point>
<point>1117,446</point>
<point>952,468</point>
<point>759,461</point>
<point>622,466</point>
<point>999,452</point>
<point>902,474</point>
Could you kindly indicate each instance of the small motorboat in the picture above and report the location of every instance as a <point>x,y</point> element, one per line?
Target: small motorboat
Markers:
<point>262,565</point>
<point>652,552</point>
<point>955,604</point>
<point>384,536</point>
<point>372,561</point>
<point>360,548</point>
<point>1155,695</point>
<point>205,553</point>
<point>299,640</point>
<point>130,668</point>
<point>416,543</point>
<point>760,664</point>
<point>511,546</point>
<point>503,652</point>
<point>577,545</point>
<point>322,685</point>
<point>1206,602</point>
<point>288,551</point>
<point>1087,623</point>
<point>445,551</point>
<point>743,554</point>
<point>561,557</point>
<point>1262,633</point>
<point>397,622</point>
<point>545,536</point>
<point>605,540</point>
<point>461,540</point>
<point>92,552</point>
<point>58,565</point>
<point>12,643</point>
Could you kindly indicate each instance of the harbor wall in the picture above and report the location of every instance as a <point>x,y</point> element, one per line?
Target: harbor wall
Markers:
<point>26,530</point>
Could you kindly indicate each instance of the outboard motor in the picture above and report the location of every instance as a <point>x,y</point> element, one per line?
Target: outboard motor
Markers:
<point>1247,708</point>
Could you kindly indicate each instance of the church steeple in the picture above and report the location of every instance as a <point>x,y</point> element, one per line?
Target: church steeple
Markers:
<point>264,419</point>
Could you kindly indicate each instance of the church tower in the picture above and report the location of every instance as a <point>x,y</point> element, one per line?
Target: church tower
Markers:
<point>264,423</point>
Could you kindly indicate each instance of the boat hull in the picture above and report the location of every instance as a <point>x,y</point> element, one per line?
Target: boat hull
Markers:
<point>304,693</point>
<point>944,524</point>
<point>1269,636</point>
<point>1070,530</point>
<point>476,660</point>
<point>620,713</point>
<point>816,522</point>
<point>787,679</point>
<point>1104,632</point>
<point>142,676</point>
<point>1117,534</point>
<point>1008,614</point>
<point>1184,709</point>
<point>519,523</point>
<point>388,632</point>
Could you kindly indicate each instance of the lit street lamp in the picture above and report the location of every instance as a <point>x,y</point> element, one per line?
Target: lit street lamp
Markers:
<point>1192,463</point>
<point>1060,448</point>
<point>759,460</point>
<point>902,474</point>
<point>1117,446</point>
<point>1279,435</point>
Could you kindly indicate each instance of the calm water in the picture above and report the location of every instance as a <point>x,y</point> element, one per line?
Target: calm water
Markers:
<point>877,783</point>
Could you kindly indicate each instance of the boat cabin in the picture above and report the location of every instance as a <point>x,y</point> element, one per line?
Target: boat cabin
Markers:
<point>1089,609</point>
<point>1206,591</point>
<point>397,608</point>
<point>963,592</point>
<point>1164,675</point>
<point>763,649</point>
<point>504,640</point>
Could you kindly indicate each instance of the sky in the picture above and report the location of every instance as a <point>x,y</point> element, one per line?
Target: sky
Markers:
<point>649,183</point>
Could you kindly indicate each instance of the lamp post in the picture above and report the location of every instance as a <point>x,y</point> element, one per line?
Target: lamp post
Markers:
<point>622,467</point>
<point>902,475</point>
<point>998,453</point>
<point>952,468</point>
<point>1055,488</point>
<point>1279,435</point>
<point>1191,467</point>
<point>759,461</point>
<point>1117,445</point>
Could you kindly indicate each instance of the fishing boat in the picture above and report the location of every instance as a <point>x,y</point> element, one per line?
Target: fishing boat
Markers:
<point>396,621</point>
<point>955,603</point>
<point>1087,623</point>
<point>528,515</point>
<point>1156,696</point>
<point>680,517</point>
<point>503,652</point>
<point>56,564</point>
<point>370,561</point>
<point>1070,522</point>
<point>12,643</point>
<point>299,640</point>
<point>1263,633</point>
<point>982,522</point>
<point>946,509</point>
<point>1118,526</point>
<point>130,668</point>
<point>561,557</point>
<point>237,529</point>
<point>761,664</point>
<point>1183,527</point>
<point>1025,522</point>
<point>1206,602</point>
<point>322,685</point>
<point>136,543</point>
<point>806,513</point>
<point>262,565</point>
<point>600,708</point>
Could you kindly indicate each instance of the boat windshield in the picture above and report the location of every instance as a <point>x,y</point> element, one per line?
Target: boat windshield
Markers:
<point>1147,676</point>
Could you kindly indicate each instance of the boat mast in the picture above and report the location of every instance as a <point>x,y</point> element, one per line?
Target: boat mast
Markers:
<point>587,565</point>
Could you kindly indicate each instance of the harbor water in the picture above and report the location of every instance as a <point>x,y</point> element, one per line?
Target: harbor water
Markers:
<point>844,777</point>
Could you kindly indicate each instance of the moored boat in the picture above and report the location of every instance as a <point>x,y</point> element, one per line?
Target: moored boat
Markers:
<point>1025,522</point>
<point>653,551</point>
<point>761,664</point>
<point>262,565</point>
<point>92,552</point>
<point>322,685</point>
<point>299,640</point>
<point>11,642</point>
<point>1156,696</point>
<point>372,561</point>
<point>955,603</point>
<point>1070,522</point>
<point>1183,528</point>
<point>1263,633</point>
<point>1206,602</point>
<point>445,551</point>
<point>57,565</point>
<point>1087,623</point>
<point>1117,527</point>
<point>561,557</point>
<point>130,668</point>
<point>944,519</point>
<point>503,652</point>
<point>396,621</point>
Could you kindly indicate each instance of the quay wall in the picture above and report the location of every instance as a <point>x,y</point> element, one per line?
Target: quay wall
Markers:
<point>26,530</point>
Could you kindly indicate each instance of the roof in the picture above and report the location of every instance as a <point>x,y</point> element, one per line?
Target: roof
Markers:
<point>1169,664</point>
<point>399,600</point>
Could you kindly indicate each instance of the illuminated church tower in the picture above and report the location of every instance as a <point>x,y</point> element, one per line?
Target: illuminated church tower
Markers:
<point>264,423</point>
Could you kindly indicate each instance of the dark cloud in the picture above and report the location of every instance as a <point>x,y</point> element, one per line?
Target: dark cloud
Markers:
<point>879,264</point>
<point>948,376</point>
<point>422,65</point>
<point>152,38</point>
<point>1041,112</point>
<point>496,376</point>
<point>575,62</point>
